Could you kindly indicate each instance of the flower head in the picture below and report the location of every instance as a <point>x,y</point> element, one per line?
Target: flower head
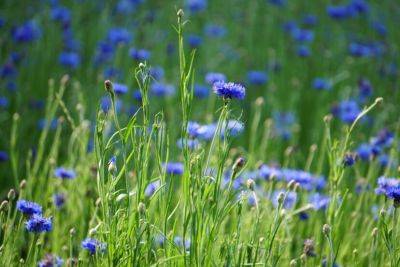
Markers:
<point>28,208</point>
<point>93,246</point>
<point>38,224</point>
<point>229,90</point>
<point>51,260</point>
<point>64,173</point>
<point>174,168</point>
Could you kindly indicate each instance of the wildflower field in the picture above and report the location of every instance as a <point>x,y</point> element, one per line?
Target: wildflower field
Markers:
<point>199,133</point>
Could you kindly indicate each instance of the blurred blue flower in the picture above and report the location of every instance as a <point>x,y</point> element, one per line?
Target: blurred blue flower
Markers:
<point>27,32</point>
<point>174,168</point>
<point>196,5</point>
<point>93,246</point>
<point>157,72</point>
<point>120,89</point>
<point>385,183</point>
<point>51,261</point>
<point>289,200</point>
<point>64,173</point>
<point>151,188</point>
<point>322,84</point>
<point>318,201</point>
<point>70,59</point>
<point>347,111</point>
<point>119,36</point>
<point>59,200</point>
<point>257,77</point>
<point>162,89</point>
<point>139,54</point>
<point>61,14</point>
<point>216,31</point>
<point>194,41</point>
<point>213,77</point>
<point>201,91</point>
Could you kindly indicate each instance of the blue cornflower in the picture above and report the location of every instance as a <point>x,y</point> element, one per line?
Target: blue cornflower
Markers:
<point>318,201</point>
<point>157,72</point>
<point>302,35</point>
<point>364,89</point>
<point>364,152</point>
<point>28,208</point>
<point>3,156</point>
<point>193,128</point>
<point>27,32</point>
<point>310,20</point>
<point>70,59</point>
<point>59,200</point>
<point>93,246</point>
<point>380,28</point>
<point>213,77</point>
<point>61,14</point>
<point>303,51</point>
<point>64,173</point>
<point>196,5</point>
<point>137,95</point>
<point>338,12</point>
<point>182,243</point>
<point>174,168</point>
<point>194,41</point>
<point>257,77</point>
<point>347,111</point>
<point>358,6</point>
<point>216,31</point>
<point>43,123</point>
<point>3,102</point>
<point>51,261</point>
<point>322,84</point>
<point>38,224</point>
<point>232,128</point>
<point>268,173</point>
<point>8,70</point>
<point>384,184</point>
<point>229,90</point>
<point>139,54</point>
<point>112,164</point>
<point>191,143</point>
<point>384,139</point>
<point>120,89</point>
<point>151,188</point>
<point>161,89</point>
<point>206,132</point>
<point>200,91</point>
<point>394,193</point>
<point>277,2</point>
<point>105,52</point>
<point>119,36</point>
<point>349,159</point>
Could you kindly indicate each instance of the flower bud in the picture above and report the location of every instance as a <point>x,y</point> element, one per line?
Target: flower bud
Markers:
<point>108,86</point>
<point>238,165</point>
<point>22,184</point>
<point>293,263</point>
<point>141,208</point>
<point>72,232</point>
<point>180,13</point>
<point>11,194</point>
<point>250,184</point>
<point>281,198</point>
<point>4,205</point>
<point>326,229</point>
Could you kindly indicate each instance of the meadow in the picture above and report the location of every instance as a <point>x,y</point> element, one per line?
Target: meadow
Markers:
<point>199,133</point>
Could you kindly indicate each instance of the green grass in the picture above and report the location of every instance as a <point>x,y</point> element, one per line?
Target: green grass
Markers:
<point>223,224</point>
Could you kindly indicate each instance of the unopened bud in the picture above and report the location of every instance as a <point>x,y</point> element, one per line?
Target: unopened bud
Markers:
<point>180,13</point>
<point>250,184</point>
<point>260,101</point>
<point>374,232</point>
<point>291,184</point>
<point>326,229</point>
<point>11,194</point>
<point>4,205</point>
<point>293,263</point>
<point>141,208</point>
<point>98,202</point>
<point>281,198</point>
<point>72,232</point>
<point>22,184</point>
<point>238,165</point>
<point>108,86</point>
<point>328,118</point>
<point>378,100</point>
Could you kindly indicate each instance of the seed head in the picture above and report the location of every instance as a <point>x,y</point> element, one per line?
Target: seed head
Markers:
<point>238,165</point>
<point>141,208</point>
<point>22,184</point>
